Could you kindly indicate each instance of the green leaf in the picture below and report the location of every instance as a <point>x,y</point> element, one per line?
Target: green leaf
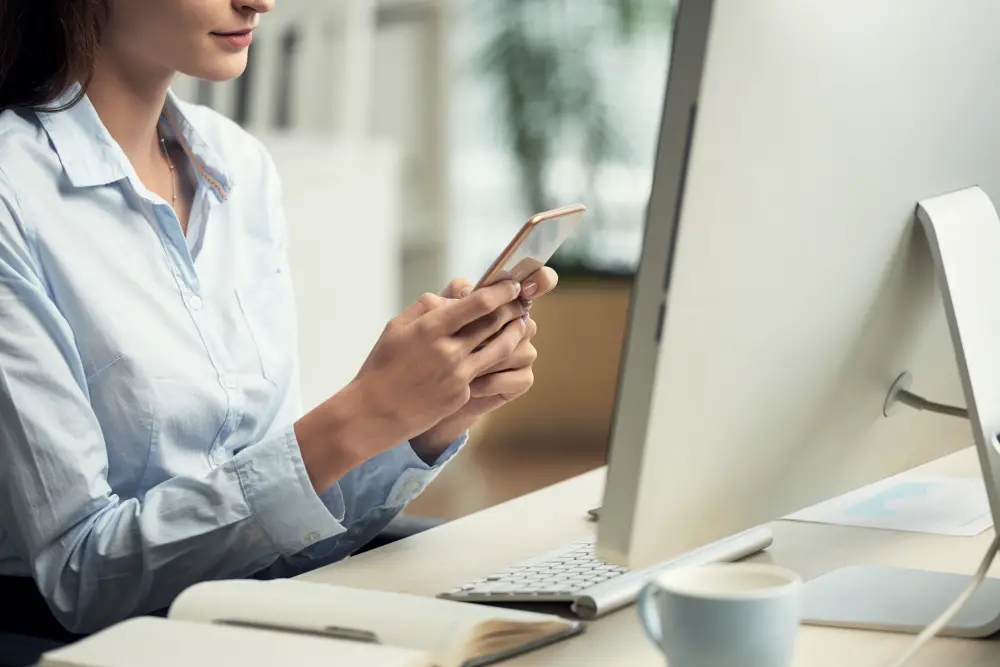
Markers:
<point>538,55</point>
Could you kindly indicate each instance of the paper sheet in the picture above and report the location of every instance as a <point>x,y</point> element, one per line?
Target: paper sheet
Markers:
<point>918,504</point>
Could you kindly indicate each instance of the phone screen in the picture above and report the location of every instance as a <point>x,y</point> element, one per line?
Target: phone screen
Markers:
<point>537,246</point>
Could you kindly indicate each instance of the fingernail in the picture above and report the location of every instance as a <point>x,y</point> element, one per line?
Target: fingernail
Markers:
<point>465,291</point>
<point>529,289</point>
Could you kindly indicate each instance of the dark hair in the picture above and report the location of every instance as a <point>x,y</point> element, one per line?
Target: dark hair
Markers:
<point>45,47</point>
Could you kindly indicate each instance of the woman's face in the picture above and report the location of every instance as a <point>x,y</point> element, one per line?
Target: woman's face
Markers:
<point>206,39</point>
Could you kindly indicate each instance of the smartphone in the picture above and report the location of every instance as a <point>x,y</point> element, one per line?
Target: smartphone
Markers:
<point>533,245</point>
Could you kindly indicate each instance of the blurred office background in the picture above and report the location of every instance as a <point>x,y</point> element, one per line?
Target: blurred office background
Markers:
<point>413,138</point>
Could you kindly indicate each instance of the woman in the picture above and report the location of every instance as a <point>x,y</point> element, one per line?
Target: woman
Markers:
<point>149,420</point>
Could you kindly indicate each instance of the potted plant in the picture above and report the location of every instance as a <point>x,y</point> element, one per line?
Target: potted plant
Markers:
<point>551,105</point>
<point>552,108</point>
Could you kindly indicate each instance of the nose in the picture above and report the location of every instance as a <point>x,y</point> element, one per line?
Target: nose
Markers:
<point>258,6</point>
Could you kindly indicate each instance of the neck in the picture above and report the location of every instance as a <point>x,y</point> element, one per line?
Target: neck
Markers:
<point>129,104</point>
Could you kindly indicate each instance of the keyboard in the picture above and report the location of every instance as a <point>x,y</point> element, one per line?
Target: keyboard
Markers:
<point>557,576</point>
<point>573,574</point>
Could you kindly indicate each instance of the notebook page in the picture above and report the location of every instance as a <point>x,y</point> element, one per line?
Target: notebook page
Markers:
<point>156,642</point>
<point>428,624</point>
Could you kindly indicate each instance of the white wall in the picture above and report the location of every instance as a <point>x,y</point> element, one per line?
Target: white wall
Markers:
<point>342,207</point>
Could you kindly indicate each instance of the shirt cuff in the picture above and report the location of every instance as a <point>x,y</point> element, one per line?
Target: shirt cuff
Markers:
<point>443,458</point>
<point>417,474</point>
<point>280,495</point>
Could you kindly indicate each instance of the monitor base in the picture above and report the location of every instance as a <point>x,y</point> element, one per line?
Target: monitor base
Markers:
<point>963,233</point>
<point>893,599</point>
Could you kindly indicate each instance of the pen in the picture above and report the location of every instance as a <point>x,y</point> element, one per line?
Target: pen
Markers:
<point>334,631</point>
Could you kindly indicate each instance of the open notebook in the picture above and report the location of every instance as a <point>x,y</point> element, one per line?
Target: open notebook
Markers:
<point>251,623</point>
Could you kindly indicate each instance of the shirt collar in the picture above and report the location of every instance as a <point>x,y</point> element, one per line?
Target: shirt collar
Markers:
<point>91,157</point>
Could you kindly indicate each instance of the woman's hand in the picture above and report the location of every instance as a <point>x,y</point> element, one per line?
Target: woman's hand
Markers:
<point>497,385</point>
<point>420,371</point>
<point>421,368</point>
<point>537,284</point>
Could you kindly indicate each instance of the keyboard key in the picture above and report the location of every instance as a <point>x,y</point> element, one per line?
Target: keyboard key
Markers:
<point>496,588</point>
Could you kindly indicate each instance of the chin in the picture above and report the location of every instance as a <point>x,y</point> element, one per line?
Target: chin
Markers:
<point>220,69</point>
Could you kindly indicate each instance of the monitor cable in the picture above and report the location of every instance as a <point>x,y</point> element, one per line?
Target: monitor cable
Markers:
<point>900,394</point>
<point>920,403</point>
<point>948,614</point>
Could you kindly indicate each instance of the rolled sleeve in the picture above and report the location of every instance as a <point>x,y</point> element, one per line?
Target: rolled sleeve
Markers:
<point>416,474</point>
<point>280,495</point>
<point>366,500</point>
<point>445,456</point>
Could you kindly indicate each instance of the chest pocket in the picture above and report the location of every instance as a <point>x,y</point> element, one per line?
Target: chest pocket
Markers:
<point>267,307</point>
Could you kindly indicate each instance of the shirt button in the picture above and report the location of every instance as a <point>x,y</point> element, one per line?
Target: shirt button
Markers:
<point>195,302</point>
<point>312,537</point>
<point>413,487</point>
<point>219,456</point>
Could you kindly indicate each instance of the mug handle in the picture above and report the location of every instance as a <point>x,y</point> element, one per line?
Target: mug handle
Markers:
<point>648,616</point>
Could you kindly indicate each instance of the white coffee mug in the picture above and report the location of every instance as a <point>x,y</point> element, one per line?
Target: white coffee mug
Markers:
<point>724,614</point>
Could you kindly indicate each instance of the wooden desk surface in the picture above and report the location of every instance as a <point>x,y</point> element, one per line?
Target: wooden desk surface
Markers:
<point>528,526</point>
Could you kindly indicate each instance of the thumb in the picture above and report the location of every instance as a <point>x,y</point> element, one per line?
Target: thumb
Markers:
<point>421,306</point>
<point>412,312</point>
<point>457,288</point>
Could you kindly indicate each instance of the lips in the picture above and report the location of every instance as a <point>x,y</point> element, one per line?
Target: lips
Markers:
<point>238,39</point>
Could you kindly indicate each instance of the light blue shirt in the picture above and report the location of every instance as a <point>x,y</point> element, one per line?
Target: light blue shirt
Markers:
<point>149,379</point>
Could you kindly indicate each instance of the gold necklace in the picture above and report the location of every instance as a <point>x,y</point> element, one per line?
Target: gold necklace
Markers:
<point>170,164</point>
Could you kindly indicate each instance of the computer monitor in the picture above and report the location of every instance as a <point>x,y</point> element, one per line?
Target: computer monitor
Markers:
<point>785,281</point>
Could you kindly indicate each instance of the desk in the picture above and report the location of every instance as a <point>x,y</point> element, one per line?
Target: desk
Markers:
<point>445,557</point>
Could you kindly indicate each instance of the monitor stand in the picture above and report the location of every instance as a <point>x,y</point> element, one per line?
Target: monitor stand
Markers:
<point>963,233</point>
